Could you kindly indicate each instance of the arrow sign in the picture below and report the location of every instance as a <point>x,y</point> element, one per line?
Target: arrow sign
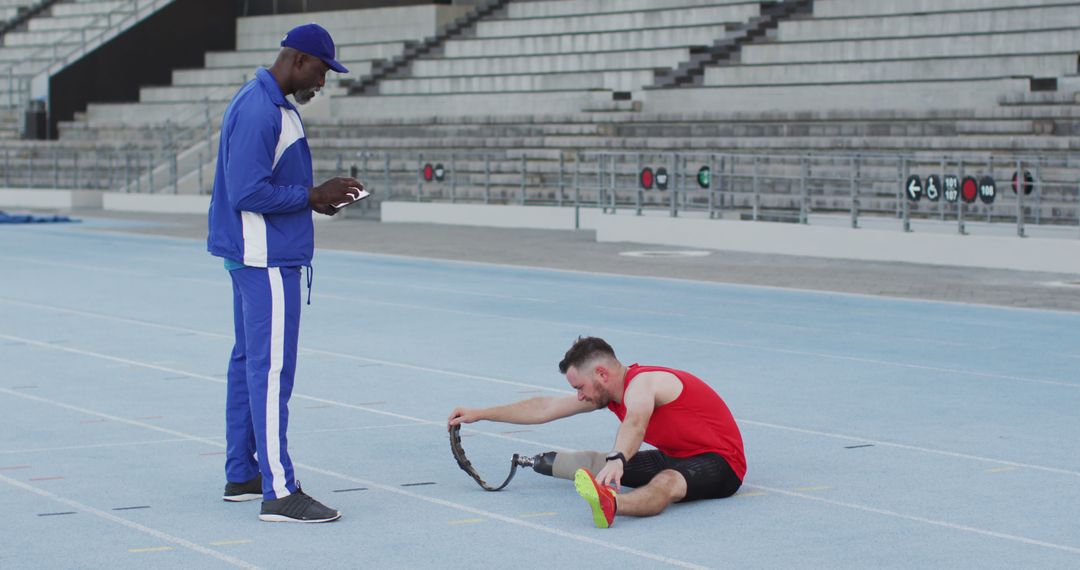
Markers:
<point>914,188</point>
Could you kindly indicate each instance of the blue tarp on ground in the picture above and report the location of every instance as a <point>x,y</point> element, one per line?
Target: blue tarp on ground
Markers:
<point>6,218</point>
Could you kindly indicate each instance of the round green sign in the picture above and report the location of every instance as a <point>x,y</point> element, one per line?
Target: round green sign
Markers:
<point>704,177</point>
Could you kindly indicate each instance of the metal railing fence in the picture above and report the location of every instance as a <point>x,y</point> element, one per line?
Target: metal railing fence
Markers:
<point>852,189</point>
<point>767,187</point>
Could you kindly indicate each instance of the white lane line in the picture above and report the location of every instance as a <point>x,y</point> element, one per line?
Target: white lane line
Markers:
<point>215,380</point>
<point>130,524</point>
<point>579,327</point>
<point>302,349</point>
<point>181,440</point>
<point>911,447</point>
<point>128,362</point>
<point>557,532</point>
<point>364,482</point>
<point>924,520</point>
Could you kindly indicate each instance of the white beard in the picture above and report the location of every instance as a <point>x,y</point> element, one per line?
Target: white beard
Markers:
<point>304,96</point>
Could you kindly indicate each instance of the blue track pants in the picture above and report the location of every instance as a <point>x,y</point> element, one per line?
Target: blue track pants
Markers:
<point>266,319</point>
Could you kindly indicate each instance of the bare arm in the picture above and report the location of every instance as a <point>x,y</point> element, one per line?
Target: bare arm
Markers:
<point>538,410</point>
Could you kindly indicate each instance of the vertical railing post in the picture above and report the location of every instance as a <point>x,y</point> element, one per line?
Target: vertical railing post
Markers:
<point>1019,198</point>
<point>453,177</point>
<point>600,182</point>
<point>804,190</point>
<point>562,179</point>
<point>755,189</point>
<point>941,200</point>
<point>577,179</point>
<point>904,196</point>
<point>640,193</point>
<point>1038,191</point>
<point>386,173</point>
<point>419,176</point>
<point>960,228</point>
<point>853,189</point>
<point>613,183</point>
<point>521,191</point>
<point>487,178</point>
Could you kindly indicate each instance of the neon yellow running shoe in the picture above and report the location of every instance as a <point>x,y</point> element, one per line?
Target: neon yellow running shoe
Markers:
<point>600,498</point>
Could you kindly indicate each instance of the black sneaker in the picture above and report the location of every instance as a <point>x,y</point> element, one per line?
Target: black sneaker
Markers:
<point>297,507</point>
<point>246,491</point>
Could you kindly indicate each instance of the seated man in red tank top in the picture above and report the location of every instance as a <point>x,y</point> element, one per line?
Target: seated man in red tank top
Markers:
<point>699,450</point>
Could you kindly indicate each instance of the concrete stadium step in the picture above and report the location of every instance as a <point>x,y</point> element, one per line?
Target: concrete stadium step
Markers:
<point>953,45</point>
<point>350,26</point>
<point>611,60</point>
<point>48,24</point>
<point>153,113</point>
<point>316,131</point>
<point>187,93</point>
<point>628,80</point>
<point>612,20</point>
<point>13,53</point>
<point>265,58</point>
<point>588,42</point>
<point>577,7</point>
<point>929,24</point>
<point>849,8</point>
<point>66,9</point>
<point>48,38</point>
<point>239,75</point>
<point>941,69</point>
<point>119,133</point>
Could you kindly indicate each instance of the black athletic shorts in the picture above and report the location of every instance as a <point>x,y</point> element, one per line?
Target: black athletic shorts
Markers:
<point>708,476</point>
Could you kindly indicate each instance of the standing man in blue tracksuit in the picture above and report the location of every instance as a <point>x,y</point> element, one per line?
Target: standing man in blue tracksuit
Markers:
<point>260,223</point>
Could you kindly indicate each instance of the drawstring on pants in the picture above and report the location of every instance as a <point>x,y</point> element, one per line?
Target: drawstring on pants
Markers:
<point>310,273</point>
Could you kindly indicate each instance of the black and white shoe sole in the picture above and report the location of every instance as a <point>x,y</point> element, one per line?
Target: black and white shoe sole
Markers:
<point>242,498</point>
<point>283,518</point>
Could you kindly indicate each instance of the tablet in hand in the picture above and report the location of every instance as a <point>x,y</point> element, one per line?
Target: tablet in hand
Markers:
<point>356,194</point>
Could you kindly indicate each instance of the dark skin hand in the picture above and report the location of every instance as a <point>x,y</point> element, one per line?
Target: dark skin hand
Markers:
<point>333,191</point>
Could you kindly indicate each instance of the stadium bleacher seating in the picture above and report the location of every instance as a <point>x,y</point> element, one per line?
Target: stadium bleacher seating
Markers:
<point>545,80</point>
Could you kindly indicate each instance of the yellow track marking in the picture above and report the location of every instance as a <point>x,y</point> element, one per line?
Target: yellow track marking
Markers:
<point>467,521</point>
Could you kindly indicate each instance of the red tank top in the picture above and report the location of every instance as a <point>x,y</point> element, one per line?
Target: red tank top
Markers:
<point>697,421</point>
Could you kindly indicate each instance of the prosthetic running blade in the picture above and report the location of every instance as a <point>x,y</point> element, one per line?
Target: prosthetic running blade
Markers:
<point>466,466</point>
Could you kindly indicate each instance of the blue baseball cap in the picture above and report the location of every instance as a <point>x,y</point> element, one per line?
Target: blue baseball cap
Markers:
<point>313,39</point>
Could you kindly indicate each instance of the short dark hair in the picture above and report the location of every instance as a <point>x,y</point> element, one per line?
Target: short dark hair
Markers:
<point>584,350</point>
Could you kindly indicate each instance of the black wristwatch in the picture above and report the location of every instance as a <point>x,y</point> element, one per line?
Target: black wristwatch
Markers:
<point>616,455</point>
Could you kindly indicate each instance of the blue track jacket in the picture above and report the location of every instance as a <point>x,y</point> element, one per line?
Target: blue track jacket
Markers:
<point>259,212</point>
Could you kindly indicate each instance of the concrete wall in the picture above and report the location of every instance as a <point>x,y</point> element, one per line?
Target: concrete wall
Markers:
<point>910,96</point>
<point>1059,255</point>
<point>161,203</point>
<point>493,216</point>
<point>49,199</point>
